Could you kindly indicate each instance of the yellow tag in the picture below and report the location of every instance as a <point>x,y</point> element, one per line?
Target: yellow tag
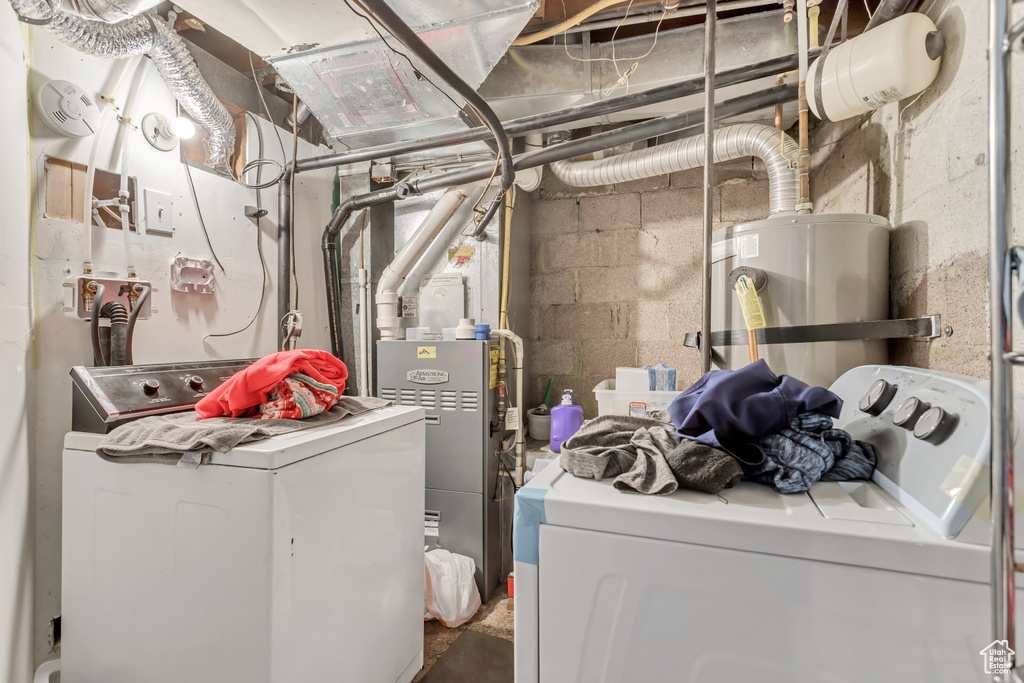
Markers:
<point>494,367</point>
<point>753,314</point>
<point>426,352</point>
<point>462,255</point>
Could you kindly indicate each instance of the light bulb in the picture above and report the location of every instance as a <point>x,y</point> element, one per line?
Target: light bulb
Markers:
<point>182,128</point>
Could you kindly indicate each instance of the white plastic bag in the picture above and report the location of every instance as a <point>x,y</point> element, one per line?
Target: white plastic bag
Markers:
<point>451,594</point>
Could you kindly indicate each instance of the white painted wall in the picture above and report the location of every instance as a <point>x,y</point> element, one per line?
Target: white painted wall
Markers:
<point>176,332</point>
<point>15,340</point>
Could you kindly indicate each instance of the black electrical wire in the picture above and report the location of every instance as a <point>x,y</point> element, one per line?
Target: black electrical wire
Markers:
<point>199,212</point>
<point>259,230</point>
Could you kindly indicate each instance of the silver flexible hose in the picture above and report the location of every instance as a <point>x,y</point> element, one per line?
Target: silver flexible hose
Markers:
<point>731,142</point>
<point>146,34</point>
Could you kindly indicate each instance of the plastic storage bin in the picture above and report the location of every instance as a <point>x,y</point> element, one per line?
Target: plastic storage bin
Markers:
<point>612,402</point>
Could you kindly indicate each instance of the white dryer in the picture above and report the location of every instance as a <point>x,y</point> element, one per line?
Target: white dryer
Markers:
<point>292,560</point>
<point>853,582</point>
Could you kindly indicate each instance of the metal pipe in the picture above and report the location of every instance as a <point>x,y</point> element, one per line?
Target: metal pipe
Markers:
<point>580,112</point>
<point>690,122</point>
<point>709,181</point>
<point>284,238</point>
<point>1002,338</point>
<point>394,24</point>
<point>803,155</point>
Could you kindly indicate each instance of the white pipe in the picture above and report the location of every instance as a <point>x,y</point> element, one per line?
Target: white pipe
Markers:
<point>364,326</point>
<point>517,345</point>
<point>394,275</point>
<point>731,142</point>
<point>90,171</point>
<point>802,33</point>
<point>131,104</point>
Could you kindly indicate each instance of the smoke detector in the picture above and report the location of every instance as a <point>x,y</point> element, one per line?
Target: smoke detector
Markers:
<point>66,109</point>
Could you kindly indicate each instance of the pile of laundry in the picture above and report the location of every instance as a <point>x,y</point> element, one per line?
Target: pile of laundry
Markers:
<point>279,394</point>
<point>731,425</point>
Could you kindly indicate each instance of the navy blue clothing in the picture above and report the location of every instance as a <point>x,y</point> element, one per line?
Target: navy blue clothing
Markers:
<point>810,450</point>
<point>734,409</point>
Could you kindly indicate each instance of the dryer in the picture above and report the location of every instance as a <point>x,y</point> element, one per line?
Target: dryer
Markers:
<point>883,580</point>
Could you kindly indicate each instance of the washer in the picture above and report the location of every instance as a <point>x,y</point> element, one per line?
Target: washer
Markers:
<point>295,559</point>
<point>886,580</point>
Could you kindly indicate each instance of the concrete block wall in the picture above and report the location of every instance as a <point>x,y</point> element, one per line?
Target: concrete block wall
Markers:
<point>615,274</point>
<point>922,163</point>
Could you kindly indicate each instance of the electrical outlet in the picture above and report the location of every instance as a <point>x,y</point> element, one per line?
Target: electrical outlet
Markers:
<point>159,219</point>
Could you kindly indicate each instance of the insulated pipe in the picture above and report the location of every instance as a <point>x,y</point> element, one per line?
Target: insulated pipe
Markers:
<point>517,345</point>
<point>284,267</point>
<point>580,112</point>
<point>731,142</point>
<point>689,122</point>
<point>394,24</point>
<point>145,34</point>
<point>395,273</point>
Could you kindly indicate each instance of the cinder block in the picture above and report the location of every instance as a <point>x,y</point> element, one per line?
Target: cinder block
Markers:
<point>658,182</point>
<point>558,287</point>
<point>724,170</point>
<point>673,209</point>
<point>555,217</point>
<point>744,201</point>
<point>582,321</point>
<point>609,284</point>
<point>649,320</point>
<point>600,357</point>
<point>553,188</point>
<point>613,212</point>
<point>657,245</point>
<point>553,357</point>
<point>586,249</point>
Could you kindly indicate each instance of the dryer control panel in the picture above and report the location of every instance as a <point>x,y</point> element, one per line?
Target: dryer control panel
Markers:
<point>931,431</point>
<point>105,397</point>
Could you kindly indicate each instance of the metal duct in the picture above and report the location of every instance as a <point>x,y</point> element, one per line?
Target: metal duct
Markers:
<point>146,34</point>
<point>110,11</point>
<point>731,142</point>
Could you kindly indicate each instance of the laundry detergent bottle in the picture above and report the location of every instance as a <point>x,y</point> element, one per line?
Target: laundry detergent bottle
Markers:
<point>566,419</point>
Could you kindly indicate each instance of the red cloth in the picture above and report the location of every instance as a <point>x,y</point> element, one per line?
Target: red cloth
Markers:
<point>242,395</point>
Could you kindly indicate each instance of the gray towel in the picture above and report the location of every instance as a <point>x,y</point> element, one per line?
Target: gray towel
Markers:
<point>700,467</point>
<point>182,439</point>
<point>629,449</point>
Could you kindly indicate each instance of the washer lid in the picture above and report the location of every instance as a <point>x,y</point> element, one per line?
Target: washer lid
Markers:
<point>286,449</point>
<point>855,523</point>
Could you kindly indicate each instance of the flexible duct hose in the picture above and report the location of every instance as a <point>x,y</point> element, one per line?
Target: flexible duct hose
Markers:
<point>731,142</point>
<point>118,315</point>
<point>147,34</point>
<point>132,319</point>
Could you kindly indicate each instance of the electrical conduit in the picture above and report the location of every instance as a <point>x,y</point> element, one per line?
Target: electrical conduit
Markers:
<point>731,142</point>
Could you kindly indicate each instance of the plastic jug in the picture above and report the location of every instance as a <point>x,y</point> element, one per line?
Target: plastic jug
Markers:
<point>566,419</point>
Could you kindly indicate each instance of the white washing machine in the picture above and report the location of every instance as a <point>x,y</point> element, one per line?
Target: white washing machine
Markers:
<point>857,582</point>
<point>292,560</point>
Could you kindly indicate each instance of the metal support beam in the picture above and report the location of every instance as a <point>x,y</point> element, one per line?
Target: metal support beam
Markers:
<point>709,178</point>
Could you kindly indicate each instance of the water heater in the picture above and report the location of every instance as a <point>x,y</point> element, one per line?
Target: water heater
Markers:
<point>813,269</point>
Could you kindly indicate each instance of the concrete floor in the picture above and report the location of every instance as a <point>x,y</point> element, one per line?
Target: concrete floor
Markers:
<point>493,619</point>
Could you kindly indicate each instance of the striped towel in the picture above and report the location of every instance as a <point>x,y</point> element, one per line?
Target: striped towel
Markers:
<point>298,396</point>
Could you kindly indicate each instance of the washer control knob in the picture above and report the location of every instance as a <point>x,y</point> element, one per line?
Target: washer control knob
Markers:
<point>909,412</point>
<point>150,386</point>
<point>195,382</point>
<point>878,397</point>
<point>935,425</point>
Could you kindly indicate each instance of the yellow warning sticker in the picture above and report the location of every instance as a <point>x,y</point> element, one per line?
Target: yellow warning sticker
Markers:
<point>462,255</point>
<point>494,367</point>
<point>426,352</point>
